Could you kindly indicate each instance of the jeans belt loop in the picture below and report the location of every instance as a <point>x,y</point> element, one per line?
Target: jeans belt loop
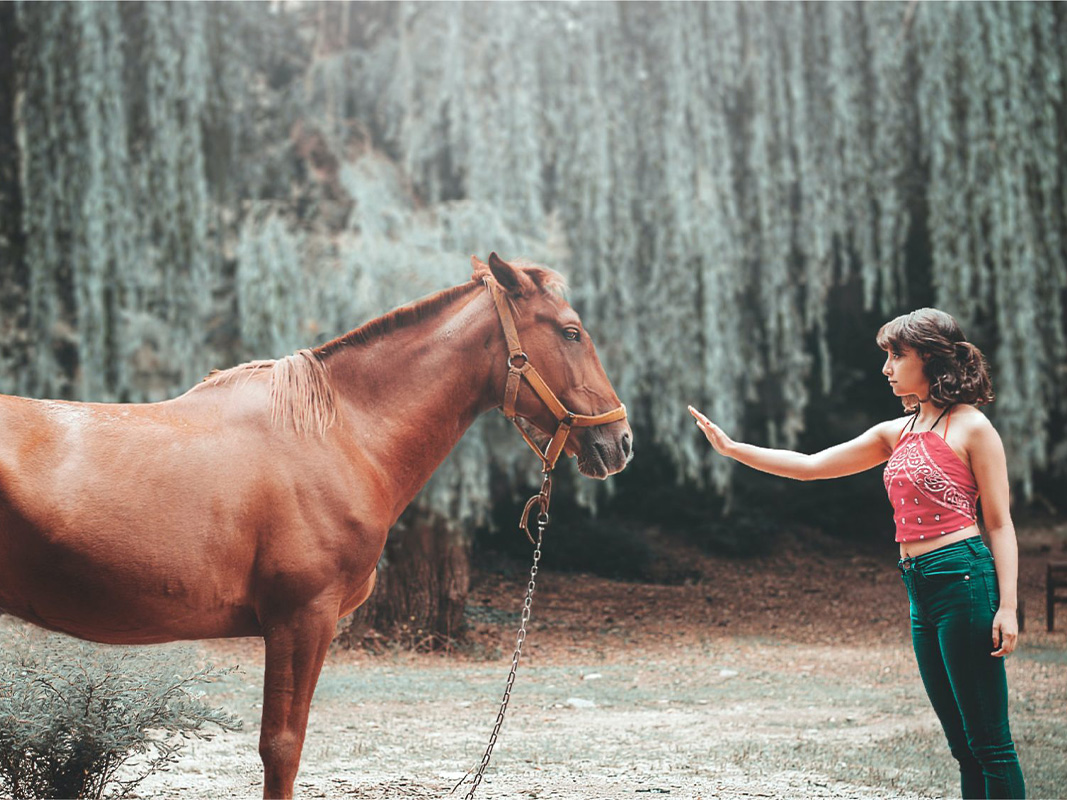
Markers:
<point>972,545</point>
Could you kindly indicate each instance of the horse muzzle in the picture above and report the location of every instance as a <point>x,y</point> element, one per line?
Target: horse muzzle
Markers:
<point>603,450</point>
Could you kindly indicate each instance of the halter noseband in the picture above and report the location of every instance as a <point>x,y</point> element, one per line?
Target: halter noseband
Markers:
<point>519,367</point>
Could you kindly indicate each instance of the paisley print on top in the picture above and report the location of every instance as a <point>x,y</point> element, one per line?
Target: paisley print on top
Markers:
<point>932,491</point>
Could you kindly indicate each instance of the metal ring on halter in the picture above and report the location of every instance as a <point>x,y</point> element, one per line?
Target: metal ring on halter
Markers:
<point>525,358</point>
<point>542,518</point>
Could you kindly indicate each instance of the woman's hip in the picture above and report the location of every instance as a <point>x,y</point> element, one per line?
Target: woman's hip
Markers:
<point>956,583</point>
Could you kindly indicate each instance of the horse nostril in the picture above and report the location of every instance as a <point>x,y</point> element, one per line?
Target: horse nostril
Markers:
<point>626,445</point>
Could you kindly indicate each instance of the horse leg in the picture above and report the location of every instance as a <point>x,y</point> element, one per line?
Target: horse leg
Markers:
<point>295,650</point>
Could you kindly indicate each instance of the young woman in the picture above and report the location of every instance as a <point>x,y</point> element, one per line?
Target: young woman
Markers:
<point>941,457</point>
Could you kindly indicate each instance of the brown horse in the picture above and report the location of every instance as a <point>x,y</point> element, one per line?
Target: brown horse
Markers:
<point>258,502</point>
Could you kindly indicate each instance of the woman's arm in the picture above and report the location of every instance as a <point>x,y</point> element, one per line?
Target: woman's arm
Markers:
<point>867,450</point>
<point>990,469</point>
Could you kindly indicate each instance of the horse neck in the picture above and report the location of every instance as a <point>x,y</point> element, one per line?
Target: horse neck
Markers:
<point>408,396</point>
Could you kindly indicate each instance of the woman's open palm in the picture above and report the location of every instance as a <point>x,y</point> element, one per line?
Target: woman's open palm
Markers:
<point>718,439</point>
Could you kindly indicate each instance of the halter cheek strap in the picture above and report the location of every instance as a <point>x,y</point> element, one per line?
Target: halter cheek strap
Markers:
<point>519,368</point>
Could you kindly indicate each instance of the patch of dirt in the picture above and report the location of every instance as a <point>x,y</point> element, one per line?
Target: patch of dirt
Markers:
<point>781,677</point>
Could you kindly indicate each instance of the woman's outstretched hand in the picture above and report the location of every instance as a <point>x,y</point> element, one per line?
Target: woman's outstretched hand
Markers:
<point>719,440</point>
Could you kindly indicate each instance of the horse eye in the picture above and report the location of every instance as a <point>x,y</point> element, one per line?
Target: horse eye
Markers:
<point>571,334</point>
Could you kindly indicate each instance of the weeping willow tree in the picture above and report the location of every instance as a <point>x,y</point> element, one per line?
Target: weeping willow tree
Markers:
<point>115,230</point>
<point>997,194</point>
<point>12,277</point>
<point>199,184</point>
<point>120,113</point>
<point>719,168</point>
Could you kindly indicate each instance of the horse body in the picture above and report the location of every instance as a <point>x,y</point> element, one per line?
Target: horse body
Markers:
<point>156,531</point>
<point>258,503</point>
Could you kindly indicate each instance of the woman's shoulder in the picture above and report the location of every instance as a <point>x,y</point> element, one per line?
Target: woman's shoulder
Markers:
<point>891,430</point>
<point>970,427</point>
<point>970,418</point>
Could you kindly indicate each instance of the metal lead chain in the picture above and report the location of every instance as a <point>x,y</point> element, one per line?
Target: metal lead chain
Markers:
<point>542,521</point>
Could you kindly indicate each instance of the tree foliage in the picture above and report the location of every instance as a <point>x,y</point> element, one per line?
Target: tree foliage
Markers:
<point>201,183</point>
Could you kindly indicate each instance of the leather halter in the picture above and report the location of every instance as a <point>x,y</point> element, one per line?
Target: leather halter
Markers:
<point>519,367</point>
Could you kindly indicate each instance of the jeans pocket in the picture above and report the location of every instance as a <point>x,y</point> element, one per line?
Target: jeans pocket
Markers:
<point>948,573</point>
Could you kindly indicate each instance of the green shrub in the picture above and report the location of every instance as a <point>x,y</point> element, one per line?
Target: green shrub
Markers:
<point>72,714</point>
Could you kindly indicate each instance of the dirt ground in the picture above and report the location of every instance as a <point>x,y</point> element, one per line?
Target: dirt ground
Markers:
<point>765,678</point>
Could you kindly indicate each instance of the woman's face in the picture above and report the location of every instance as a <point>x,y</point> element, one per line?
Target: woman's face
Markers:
<point>904,369</point>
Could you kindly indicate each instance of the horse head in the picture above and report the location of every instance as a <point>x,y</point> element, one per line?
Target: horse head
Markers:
<point>564,387</point>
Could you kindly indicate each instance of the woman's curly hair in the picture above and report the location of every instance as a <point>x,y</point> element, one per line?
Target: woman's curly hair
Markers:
<point>956,369</point>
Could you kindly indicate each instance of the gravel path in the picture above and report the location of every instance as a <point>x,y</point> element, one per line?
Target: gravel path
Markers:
<point>736,718</point>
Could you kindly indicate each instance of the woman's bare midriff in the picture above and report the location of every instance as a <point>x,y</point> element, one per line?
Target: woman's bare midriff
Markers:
<point>913,549</point>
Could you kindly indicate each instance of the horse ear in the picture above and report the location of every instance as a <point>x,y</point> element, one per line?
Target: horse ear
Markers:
<point>479,266</point>
<point>514,281</point>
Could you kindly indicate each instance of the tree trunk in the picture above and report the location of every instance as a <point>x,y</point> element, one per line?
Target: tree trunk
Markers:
<point>423,581</point>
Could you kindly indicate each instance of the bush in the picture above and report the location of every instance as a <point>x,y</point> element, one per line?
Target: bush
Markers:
<point>72,714</point>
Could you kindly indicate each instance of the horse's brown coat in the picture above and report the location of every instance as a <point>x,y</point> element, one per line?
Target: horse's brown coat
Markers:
<point>258,503</point>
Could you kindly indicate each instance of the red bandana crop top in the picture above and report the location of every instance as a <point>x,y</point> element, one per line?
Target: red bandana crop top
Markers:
<point>932,491</point>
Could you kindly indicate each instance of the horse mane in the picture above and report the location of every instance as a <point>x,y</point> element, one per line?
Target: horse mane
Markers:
<point>544,278</point>
<point>396,319</point>
<point>300,390</point>
<point>301,393</point>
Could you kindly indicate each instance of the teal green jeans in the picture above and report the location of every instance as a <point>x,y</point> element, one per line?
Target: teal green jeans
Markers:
<point>954,596</point>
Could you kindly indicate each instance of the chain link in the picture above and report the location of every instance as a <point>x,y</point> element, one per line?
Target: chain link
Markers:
<point>542,498</point>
